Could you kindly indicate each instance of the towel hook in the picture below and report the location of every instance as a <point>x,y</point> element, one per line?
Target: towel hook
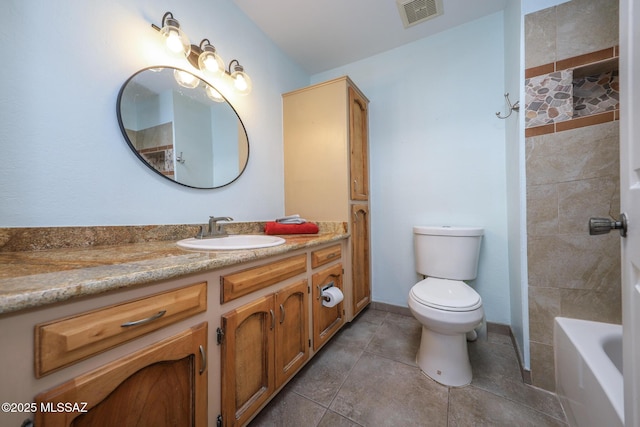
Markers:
<point>512,108</point>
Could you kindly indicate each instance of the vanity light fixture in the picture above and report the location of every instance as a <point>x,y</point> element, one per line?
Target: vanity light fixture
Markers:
<point>204,58</point>
<point>176,40</point>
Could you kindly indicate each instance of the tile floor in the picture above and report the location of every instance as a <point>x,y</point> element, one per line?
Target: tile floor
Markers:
<point>367,376</point>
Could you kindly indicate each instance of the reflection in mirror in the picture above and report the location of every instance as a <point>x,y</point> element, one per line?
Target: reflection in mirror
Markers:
<point>183,133</point>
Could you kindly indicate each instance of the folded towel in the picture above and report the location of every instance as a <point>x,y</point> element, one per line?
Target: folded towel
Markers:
<point>291,219</point>
<point>278,228</point>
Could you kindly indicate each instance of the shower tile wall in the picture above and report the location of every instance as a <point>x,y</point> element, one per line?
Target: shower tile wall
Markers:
<point>571,175</point>
<point>548,98</point>
<point>155,144</point>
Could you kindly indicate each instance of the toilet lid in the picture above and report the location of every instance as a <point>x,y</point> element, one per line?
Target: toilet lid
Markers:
<point>443,294</point>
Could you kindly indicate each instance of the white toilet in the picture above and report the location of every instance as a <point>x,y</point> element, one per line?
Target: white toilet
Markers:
<point>447,308</point>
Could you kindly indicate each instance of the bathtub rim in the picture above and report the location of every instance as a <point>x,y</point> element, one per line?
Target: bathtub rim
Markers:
<point>593,354</point>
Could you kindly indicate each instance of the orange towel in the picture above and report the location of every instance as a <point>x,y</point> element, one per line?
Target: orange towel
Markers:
<point>278,228</point>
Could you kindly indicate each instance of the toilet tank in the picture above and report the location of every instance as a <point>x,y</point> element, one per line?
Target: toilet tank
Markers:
<point>447,252</point>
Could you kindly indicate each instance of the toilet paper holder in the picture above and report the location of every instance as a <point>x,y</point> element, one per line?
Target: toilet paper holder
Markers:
<point>324,288</point>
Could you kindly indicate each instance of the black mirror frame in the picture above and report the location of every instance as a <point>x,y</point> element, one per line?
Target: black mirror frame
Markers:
<point>143,160</point>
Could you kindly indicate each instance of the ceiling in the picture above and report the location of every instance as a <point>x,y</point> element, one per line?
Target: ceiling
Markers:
<point>323,34</point>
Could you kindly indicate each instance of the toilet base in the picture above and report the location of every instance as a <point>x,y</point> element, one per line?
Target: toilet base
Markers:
<point>444,358</point>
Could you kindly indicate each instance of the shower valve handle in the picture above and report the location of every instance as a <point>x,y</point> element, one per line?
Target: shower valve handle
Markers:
<point>605,225</point>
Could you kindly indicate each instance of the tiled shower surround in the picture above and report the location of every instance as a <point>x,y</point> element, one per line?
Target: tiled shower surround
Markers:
<point>155,144</point>
<point>548,98</point>
<point>557,97</point>
<point>595,94</point>
<point>572,171</point>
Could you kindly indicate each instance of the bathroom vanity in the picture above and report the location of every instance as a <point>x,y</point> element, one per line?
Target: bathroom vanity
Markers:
<point>161,334</point>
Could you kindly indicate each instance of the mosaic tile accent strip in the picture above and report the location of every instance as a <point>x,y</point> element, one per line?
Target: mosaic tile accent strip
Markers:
<point>549,98</point>
<point>596,94</point>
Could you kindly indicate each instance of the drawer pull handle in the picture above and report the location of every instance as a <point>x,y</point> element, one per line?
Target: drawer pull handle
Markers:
<point>143,321</point>
<point>273,319</point>
<point>203,358</point>
<point>281,314</point>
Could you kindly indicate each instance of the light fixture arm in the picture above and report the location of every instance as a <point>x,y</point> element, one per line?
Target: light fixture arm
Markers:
<point>164,18</point>
<point>231,62</point>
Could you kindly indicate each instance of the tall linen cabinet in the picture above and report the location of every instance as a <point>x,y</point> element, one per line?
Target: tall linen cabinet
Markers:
<point>326,165</point>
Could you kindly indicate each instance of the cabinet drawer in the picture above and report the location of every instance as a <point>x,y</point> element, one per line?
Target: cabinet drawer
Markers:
<point>235,285</point>
<point>323,256</point>
<point>65,341</point>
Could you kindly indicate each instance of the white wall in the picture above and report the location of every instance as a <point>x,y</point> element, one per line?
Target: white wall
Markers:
<point>530,6</point>
<point>64,160</point>
<point>437,149</point>
<point>437,152</point>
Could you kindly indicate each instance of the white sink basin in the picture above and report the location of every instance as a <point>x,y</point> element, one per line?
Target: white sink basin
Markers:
<point>233,242</point>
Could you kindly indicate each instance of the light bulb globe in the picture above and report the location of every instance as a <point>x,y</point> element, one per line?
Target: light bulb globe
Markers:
<point>176,40</point>
<point>210,63</point>
<point>241,81</point>
<point>213,94</point>
<point>186,79</point>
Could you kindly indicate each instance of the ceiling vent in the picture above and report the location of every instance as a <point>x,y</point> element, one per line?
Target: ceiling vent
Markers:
<point>414,12</point>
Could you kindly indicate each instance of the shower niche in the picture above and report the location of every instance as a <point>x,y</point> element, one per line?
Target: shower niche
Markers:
<point>596,88</point>
<point>572,93</point>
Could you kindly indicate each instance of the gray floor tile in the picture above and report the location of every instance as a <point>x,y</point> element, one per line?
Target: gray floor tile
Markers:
<point>331,419</point>
<point>358,333</point>
<point>384,392</point>
<point>471,406</point>
<point>371,315</point>
<point>492,360</point>
<point>321,379</point>
<point>367,376</point>
<point>398,338</point>
<point>289,409</point>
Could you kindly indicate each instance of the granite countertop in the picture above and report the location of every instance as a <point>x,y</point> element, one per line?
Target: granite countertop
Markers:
<point>33,278</point>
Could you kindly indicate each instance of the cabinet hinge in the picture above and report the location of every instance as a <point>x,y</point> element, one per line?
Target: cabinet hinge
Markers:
<point>309,343</point>
<point>309,289</point>
<point>219,421</point>
<point>220,335</point>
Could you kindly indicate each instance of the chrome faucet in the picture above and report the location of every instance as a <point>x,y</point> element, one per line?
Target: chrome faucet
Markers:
<point>215,229</point>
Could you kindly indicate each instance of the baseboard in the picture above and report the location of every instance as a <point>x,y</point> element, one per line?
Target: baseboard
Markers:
<point>396,309</point>
<point>502,329</point>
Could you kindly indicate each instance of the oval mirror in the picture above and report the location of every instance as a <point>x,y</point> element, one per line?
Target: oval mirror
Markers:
<point>182,128</point>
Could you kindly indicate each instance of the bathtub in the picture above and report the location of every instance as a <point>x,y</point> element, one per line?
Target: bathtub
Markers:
<point>588,362</point>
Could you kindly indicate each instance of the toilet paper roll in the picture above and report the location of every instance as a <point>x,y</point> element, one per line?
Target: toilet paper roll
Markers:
<point>332,296</point>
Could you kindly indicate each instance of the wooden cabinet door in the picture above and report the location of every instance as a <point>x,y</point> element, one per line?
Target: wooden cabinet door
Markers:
<point>292,330</point>
<point>247,359</point>
<point>164,384</point>
<point>326,320</point>
<point>358,146</point>
<point>360,257</point>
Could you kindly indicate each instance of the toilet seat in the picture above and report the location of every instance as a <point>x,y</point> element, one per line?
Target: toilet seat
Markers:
<point>447,295</point>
